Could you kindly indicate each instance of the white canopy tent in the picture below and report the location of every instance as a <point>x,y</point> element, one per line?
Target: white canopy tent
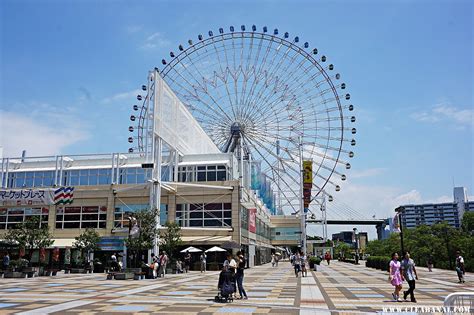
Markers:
<point>191,249</point>
<point>215,249</point>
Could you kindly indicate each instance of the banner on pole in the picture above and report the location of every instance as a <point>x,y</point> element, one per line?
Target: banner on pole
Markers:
<point>26,197</point>
<point>396,224</point>
<point>253,220</point>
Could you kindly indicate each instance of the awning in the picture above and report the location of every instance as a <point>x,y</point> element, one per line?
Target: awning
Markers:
<point>216,162</point>
<point>63,242</point>
<point>206,239</point>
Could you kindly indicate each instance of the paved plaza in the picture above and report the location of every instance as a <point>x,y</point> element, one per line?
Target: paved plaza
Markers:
<point>338,289</point>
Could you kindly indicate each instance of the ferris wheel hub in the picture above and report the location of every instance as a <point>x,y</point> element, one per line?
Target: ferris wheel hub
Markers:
<point>237,128</point>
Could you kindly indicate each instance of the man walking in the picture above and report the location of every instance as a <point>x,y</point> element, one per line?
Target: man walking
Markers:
<point>460,267</point>
<point>410,275</point>
<point>187,261</point>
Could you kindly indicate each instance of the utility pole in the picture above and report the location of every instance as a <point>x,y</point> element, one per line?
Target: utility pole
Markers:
<point>399,210</point>
<point>302,214</point>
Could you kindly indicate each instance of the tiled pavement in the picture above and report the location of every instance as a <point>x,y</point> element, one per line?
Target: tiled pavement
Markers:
<point>355,288</point>
<point>340,288</point>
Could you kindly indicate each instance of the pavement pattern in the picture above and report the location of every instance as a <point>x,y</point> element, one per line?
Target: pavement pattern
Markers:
<point>336,289</point>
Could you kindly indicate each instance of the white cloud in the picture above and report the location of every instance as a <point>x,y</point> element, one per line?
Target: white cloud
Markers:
<point>155,40</point>
<point>132,29</point>
<point>446,112</point>
<point>370,172</point>
<point>123,96</point>
<point>38,133</point>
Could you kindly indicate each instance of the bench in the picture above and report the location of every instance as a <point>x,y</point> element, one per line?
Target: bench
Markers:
<point>139,275</point>
<point>124,276</point>
<point>78,270</point>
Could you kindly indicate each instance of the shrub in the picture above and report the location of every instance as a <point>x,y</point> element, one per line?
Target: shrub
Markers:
<point>378,262</point>
<point>314,260</point>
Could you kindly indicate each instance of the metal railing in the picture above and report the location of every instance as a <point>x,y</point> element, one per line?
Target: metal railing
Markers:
<point>459,302</point>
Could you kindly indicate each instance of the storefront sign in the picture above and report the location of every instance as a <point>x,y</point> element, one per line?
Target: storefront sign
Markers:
<point>307,182</point>
<point>253,220</point>
<point>26,197</point>
<point>111,243</point>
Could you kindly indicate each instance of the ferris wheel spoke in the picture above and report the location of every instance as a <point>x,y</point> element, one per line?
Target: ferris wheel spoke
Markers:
<point>202,87</point>
<point>220,113</point>
<point>281,179</point>
<point>278,93</point>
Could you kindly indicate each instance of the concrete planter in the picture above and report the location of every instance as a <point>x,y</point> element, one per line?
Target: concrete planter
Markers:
<point>15,274</point>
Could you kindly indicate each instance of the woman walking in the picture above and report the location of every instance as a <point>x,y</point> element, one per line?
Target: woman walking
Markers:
<point>240,275</point>
<point>395,277</point>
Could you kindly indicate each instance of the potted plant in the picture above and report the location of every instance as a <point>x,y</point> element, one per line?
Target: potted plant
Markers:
<point>313,262</point>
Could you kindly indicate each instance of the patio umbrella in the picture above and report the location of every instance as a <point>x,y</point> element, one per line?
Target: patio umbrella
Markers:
<point>191,249</point>
<point>215,249</point>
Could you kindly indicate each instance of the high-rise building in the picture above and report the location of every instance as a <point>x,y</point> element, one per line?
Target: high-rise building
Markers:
<point>460,198</point>
<point>432,213</point>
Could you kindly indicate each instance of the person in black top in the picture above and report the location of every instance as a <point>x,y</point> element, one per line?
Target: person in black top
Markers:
<point>187,261</point>
<point>240,275</point>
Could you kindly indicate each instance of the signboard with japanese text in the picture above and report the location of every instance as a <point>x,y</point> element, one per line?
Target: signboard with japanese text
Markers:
<point>26,197</point>
<point>253,220</point>
<point>307,182</point>
<point>308,172</point>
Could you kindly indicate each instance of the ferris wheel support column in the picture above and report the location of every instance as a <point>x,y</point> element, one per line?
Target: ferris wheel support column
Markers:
<point>302,214</point>
<point>157,155</point>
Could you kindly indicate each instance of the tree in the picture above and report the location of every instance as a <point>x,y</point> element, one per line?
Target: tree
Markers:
<point>342,249</point>
<point>468,222</point>
<point>143,240</point>
<point>171,238</point>
<point>87,241</point>
<point>30,236</point>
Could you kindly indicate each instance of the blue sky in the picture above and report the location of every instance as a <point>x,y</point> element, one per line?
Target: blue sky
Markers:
<point>70,69</point>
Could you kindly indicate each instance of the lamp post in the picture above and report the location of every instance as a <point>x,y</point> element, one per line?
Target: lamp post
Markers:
<point>356,247</point>
<point>399,211</point>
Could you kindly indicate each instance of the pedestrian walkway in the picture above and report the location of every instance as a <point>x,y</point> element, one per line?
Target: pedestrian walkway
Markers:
<point>336,289</point>
<point>355,288</point>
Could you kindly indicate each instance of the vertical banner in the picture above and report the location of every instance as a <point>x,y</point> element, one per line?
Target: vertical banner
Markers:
<point>255,175</point>
<point>307,183</point>
<point>396,223</point>
<point>253,220</point>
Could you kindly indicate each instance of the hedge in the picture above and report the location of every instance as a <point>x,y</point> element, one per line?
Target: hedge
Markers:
<point>378,262</point>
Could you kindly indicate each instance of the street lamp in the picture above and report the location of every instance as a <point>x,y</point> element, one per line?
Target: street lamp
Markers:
<point>399,211</point>
<point>132,230</point>
<point>356,247</point>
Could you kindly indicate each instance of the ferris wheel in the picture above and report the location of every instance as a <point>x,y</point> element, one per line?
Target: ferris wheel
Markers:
<point>270,94</point>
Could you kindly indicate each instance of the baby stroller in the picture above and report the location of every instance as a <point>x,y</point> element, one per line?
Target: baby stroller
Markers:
<point>226,287</point>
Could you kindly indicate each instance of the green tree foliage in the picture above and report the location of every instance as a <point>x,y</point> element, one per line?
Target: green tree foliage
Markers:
<point>146,220</point>
<point>30,236</point>
<point>468,222</point>
<point>171,239</point>
<point>87,241</point>
<point>440,241</point>
<point>342,249</point>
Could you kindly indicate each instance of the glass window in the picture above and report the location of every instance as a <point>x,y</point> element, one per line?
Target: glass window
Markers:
<point>81,217</point>
<point>221,176</point>
<point>211,176</point>
<point>203,215</point>
<point>201,176</point>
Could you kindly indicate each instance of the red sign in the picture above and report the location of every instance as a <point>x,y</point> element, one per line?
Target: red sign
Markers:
<point>253,220</point>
